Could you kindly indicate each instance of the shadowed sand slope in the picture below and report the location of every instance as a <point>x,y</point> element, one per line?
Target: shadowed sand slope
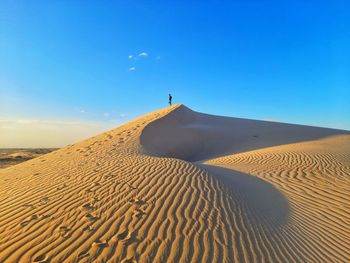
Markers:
<point>193,136</point>
<point>274,193</point>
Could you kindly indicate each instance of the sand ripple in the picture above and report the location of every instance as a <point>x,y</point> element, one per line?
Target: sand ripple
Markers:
<point>114,198</point>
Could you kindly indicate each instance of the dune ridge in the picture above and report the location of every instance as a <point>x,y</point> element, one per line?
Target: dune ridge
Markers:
<point>180,186</point>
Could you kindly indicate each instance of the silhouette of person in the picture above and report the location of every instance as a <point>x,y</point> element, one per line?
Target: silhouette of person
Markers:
<point>170,99</point>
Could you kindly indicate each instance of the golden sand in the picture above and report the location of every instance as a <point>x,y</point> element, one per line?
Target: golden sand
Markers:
<point>180,186</point>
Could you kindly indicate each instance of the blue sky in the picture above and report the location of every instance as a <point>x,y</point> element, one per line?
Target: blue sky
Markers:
<point>69,61</point>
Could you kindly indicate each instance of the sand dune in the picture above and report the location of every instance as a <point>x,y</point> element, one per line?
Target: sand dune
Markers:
<point>193,136</point>
<point>180,186</point>
<point>9,157</point>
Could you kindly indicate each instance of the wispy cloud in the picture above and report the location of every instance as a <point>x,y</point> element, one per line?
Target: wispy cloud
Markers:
<point>140,55</point>
<point>28,121</point>
<point>143,54</point>
<point>136,59</point>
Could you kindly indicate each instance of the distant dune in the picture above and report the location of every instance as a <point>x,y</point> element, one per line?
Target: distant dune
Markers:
<point>12,156</point>
<point>180,186</point>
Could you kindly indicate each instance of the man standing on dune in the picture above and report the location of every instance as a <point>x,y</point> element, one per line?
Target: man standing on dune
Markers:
<point>170,99</point>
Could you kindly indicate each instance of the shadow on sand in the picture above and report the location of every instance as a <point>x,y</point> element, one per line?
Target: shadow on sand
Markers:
<point>258,200</point>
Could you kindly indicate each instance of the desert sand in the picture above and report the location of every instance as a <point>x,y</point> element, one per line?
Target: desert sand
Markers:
<point>180,186</point>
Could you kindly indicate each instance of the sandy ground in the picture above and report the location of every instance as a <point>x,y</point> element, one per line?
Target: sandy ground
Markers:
<point>13,156</point>
<point>180,186</point>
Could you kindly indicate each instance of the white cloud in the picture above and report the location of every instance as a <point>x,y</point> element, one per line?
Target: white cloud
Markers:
<point>130,56</point>
<point>143,54</point>
<point>82,111</point>
<point>132,68</point>
<point>28,121</point>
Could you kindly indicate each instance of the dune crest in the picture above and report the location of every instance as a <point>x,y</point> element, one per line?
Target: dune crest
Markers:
<point>193,136</point>
<point>180,186</point>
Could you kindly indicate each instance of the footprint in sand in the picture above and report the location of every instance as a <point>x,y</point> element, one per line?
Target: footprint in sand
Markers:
<point>24,223</point>
<point>41,259</point>
<point>43,216</point>
<point>124,237</point>
<point>64,231</point>
<point>44,200</point>
<point>89,191</point>
<point>88,228</point>
<point>106,177</point>
<point>29,206</point>
<point>88,206</point>
<point>137,201</point>
<point>95,199</point>
<point>83,254</point>
<point>31,218</point>
<point>91,217</point>
<point>132,187</point>
<point>100,244</point>
<point>61,186</point>
<point>139,213</point>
